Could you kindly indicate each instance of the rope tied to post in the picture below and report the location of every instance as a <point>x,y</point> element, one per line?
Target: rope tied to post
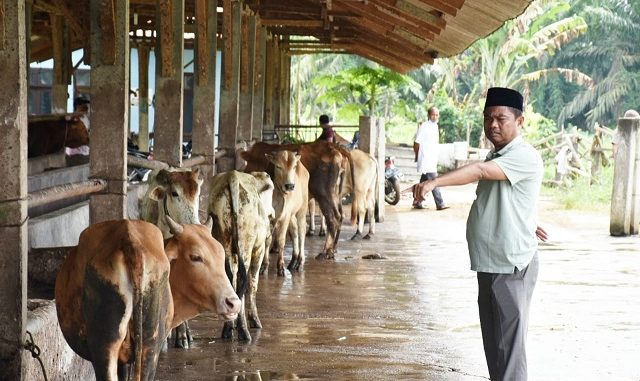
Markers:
<point>30,346</point>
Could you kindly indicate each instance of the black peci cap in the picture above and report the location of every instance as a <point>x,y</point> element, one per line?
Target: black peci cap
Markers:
<point>324,119</point>
<point>502,96</point>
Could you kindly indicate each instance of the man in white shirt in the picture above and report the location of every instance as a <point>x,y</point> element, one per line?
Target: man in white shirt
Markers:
<point>425,148</point>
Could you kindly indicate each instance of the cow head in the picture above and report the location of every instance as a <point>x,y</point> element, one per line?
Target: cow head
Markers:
<point>77,133</point>
<point>178,195</point>
<point>264,185</point>
<point>284,174</point>
<point>198,279</point>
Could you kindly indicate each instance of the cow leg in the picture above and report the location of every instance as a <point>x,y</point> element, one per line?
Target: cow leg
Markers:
<point>329,210</point>
<point>253,272</point>
<point>280,237</point>
<point>231,268</point>
<point>371,207</point>
<point>264,266</point>
<point>312,217</point>
<point>183,336</point>
<point>295,245</point>
<point>241,320</point>
<point>300,217</point>
<point>123,371</point>
<point>323,226</point>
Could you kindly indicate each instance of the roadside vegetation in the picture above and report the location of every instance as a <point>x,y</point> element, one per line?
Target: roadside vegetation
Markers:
<point>576,62</point>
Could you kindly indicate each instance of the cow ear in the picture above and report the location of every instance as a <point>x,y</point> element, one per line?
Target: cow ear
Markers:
<point>163,177</point>
<point>157,194</point>
<point>171,250</point>
<point>269,157</point>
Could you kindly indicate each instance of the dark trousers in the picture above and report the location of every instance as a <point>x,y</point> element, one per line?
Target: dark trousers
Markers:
<point>437,197</point>
<point>503,302</point>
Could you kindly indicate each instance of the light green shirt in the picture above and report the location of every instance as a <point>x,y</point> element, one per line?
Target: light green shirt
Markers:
<point>501,228</point>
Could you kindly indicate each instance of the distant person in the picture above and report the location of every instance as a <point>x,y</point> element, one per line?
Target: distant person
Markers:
<point>502,232</point>
<point>81,110</point>
<point>328,134</point>
<point>425,148</point>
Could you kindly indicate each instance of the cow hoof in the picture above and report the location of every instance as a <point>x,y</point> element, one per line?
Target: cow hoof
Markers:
<point>244,336</point>
<point>357,235</point>
<point>329,254</point>
<point>227,333</point>
<point>254,322</point>
<point>322,233</point>
<point>280,271</point>
<point>181,343</point>
<point>368,236</point>
<point>310,233</point>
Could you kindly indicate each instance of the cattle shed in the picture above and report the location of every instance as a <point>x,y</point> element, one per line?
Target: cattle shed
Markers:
<point>257,39</point>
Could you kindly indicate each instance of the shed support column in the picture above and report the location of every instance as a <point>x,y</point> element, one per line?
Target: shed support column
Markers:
<point>372,142</point>
<point>258,82</point>
<point>143,97</point>
<point>204,91</point>
<point>625,200</point>
<point>229,102</point>
<point>110,107</point>
<point>167,131</point>
<point>60,38</point>
<point>269,81</point>
<point>277,79</point>
<point>285,87</point>
<point>13,190</point>
<point>247,60</point>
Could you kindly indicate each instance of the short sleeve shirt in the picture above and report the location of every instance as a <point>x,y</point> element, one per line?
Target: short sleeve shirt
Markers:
<point>428,137</point>
<point>501,228</point>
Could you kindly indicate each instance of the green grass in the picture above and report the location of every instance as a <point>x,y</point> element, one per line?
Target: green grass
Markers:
<point>580,195</point>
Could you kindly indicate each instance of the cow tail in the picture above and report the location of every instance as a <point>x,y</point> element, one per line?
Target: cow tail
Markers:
<point>354,199</point>
<point>135,265</point>
<point>234,190</point>
<point>376,196</point>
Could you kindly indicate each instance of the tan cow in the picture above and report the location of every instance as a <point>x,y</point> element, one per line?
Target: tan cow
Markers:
<point>120,291</point>
<point>363,185</point>
<point>241,224</point>
<point>174,192</point>
<point>290,200</point>
<point>326,163</point>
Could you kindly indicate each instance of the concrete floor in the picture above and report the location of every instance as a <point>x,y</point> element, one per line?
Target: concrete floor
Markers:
<point>414,316</point>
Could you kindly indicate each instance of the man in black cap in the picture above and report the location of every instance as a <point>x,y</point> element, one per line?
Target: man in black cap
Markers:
<point>502,232</point>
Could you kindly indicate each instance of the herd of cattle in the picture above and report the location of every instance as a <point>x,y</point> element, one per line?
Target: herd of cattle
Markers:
<point>128,283</point>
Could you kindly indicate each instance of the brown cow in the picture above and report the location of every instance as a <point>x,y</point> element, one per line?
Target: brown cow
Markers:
<point>50,134</point>
<point>326,163</point>
<point>290,200</point>
<point>120,291</point>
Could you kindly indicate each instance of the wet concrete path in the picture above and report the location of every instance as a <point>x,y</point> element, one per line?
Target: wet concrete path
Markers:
<point>413,316</point>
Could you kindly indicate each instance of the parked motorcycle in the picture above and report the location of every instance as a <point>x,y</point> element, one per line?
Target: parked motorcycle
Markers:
<point>392,177</point>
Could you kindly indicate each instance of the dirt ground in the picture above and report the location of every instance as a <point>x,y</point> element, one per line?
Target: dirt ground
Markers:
<point>413,315</point>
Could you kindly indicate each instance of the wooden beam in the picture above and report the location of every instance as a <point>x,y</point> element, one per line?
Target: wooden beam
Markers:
<point>371,11</point>
<point>295,23</point>
<point>165,35</point>
<point>448,7</point>
<point>400,57</point>
<point>71,18</point>
<point>202,57</point>
<point>373,56</point>
<point>400,13</point>
<point>227,33</point>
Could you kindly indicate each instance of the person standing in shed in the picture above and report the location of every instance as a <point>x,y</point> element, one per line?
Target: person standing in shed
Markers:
<point>502,232</point>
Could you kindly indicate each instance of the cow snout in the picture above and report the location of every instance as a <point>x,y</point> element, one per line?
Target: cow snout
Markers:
<point>232,306</point>
<point>289,187</point>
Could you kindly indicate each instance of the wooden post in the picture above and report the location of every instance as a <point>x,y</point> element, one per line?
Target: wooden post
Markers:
<point>143,97</point>
<point>625,199</point>
<point>277,83</point>
<point>269,81</point>
<point>259,83</point>
<point>204,96</point>
<point>285,100</point>
<point>247,63</point>
<point>60,38</point>
<point>372,142</point>
<point>13,189</point>
<point>110,106</point>
<point>230,91</point>
<point>167,131</point>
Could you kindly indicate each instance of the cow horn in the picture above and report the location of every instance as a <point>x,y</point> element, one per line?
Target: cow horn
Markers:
<point>209,223</point>
<point>174,227</point>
